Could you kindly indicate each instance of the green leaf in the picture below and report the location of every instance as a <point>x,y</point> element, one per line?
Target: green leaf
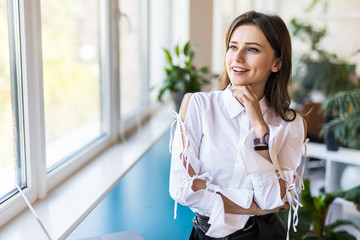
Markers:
<point>343,235</point>
<point>345,107</point>
<point>306,197</point>
<point>161,93</point>
<point>312,5</point>
<point>177,51</point>
<point>314,211</point>
<point>183,76</point>
<point>352,195</point>
<point>204,69</point>
<point>168,56</point>
<point>191,56</point>
<point>340,222</point>
<point>186,48</point>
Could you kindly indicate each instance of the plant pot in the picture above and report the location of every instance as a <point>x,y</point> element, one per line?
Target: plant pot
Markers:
<point>315,120</point>
<point>177,98</point>
<point>331,143</point>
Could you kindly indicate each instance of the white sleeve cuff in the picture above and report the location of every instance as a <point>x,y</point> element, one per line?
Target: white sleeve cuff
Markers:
<point>220,226</point>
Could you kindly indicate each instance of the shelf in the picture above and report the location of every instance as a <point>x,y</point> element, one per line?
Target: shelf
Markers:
<point>343,155</point>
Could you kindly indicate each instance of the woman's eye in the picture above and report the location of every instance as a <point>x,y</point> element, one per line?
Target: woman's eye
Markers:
<point>233,47</point>
<point>253,50</point>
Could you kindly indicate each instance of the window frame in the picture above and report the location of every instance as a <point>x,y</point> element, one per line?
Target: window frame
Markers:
<point>14,205</point>
<point>16,94</point>
<point>39,182</point>
<point>133,117</point>
<point>87,153</point>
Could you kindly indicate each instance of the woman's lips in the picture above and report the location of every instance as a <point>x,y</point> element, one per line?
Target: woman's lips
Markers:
<point>239,70</point>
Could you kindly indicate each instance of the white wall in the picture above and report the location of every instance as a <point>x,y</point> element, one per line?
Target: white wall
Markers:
<point>342,20</point>
<point>201,27</point>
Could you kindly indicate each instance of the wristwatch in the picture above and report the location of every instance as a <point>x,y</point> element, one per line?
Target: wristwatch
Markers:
<point>262,140</point>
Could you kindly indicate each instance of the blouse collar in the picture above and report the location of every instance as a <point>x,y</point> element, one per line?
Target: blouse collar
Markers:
<point>234,108</point>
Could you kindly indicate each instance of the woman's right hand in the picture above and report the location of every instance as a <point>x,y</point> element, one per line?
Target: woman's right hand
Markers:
<point>254,209</point>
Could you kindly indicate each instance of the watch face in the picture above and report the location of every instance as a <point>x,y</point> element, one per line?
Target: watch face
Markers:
<point>264,139</point>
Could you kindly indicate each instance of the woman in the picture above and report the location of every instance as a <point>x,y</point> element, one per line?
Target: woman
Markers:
<point>235,152</point>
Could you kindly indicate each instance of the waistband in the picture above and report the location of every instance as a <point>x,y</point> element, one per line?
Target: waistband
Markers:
<point>202,222</point>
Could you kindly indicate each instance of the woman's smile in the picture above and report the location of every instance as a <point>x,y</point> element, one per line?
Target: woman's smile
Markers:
<point>239,70</point>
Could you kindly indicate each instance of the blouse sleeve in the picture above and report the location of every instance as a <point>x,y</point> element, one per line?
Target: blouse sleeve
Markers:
<point>285,146</point>
<point>185,149</point>
<point>289,160</point>
<point>184,153</point>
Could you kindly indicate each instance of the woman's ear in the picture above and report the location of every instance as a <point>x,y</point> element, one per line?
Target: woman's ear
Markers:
<point>277,65</point>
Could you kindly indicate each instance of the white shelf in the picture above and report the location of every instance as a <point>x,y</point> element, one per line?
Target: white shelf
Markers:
<point>343,155</point>
<point>335,161</point>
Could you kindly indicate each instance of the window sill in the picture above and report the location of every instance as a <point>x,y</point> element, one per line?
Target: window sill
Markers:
<point>68,204</point>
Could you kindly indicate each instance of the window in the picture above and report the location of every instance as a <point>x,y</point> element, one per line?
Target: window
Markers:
<point>59,88</point>
<point>12,159</point>
<point>71,77</point>
<point>133,40</point>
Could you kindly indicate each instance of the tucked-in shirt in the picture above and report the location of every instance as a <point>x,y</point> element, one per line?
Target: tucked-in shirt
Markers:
<point>216,139</point>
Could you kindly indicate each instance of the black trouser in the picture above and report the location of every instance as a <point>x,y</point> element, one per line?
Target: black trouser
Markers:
<point>267,227</point>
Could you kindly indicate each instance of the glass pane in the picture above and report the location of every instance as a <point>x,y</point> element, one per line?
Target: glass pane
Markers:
<point>71,58</point>
<point>132,68</point>
<point>12,167</point>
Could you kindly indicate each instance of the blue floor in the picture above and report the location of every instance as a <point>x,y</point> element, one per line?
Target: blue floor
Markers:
<point>141,202</point>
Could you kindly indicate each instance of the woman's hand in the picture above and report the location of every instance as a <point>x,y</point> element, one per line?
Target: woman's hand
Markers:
<point>259,211</point>
<point>254,209</point>
<point>247,97</point>
<point>198,184</point>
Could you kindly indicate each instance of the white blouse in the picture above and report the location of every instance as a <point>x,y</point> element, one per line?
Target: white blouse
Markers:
<point>219,147</point>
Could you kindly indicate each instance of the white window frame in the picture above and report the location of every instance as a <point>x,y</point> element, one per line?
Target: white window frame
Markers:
<point>39,183</point>
<point>135,116</point>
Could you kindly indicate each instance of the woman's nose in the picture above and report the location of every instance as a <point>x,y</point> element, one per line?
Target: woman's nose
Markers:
<point>239,56</point>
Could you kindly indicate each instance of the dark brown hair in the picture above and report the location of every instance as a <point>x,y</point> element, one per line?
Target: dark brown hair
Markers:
<point>277,34</point>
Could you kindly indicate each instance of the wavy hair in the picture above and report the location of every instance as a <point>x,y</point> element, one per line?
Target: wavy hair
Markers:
<point>277,34</point>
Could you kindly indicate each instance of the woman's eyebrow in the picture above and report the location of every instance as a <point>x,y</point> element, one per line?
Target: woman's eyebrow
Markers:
<point>253,43</point>
<point>246,43</point>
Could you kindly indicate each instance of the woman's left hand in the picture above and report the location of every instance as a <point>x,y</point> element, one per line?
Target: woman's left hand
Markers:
<point>247,97</point>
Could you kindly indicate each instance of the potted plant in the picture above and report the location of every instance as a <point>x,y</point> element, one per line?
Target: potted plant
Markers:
<point>313,215</point>
<point>318,71</point>
<point>345,109</point>
<point>182,76</point>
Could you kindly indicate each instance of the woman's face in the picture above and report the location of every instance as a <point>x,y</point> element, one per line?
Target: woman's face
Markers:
<point>250,58</point>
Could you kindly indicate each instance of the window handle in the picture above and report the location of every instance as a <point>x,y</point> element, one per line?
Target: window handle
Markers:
<point>126,17</point>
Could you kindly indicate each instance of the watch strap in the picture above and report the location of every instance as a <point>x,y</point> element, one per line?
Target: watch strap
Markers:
<point>259,148</point>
